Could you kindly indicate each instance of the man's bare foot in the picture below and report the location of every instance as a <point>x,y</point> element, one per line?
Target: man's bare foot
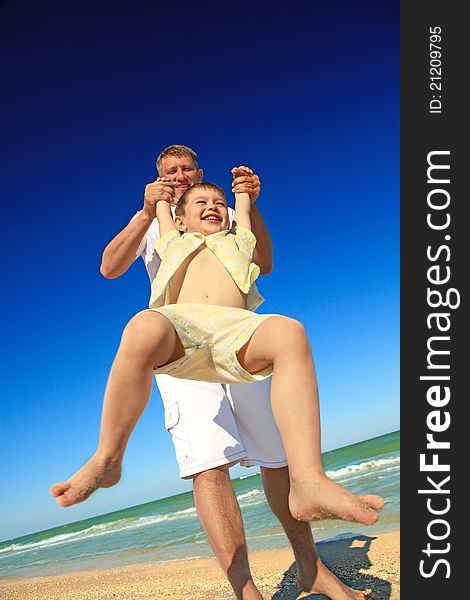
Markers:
<point>96,473</point>
<point>315,578</point>
<point>321,498</point>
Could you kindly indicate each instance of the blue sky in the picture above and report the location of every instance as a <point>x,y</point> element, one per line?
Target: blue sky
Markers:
<point>309,98</point>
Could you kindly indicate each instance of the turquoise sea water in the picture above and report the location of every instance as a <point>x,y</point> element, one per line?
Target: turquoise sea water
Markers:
<point>168,529</point>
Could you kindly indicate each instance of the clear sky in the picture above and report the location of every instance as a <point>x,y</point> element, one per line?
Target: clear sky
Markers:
<point>307,94</point>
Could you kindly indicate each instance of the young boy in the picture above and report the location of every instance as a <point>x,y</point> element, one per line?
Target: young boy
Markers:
<point>200,325</point>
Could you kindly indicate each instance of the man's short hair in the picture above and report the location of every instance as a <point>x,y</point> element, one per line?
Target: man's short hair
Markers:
<point>179,210</point>
<point>176,150</point>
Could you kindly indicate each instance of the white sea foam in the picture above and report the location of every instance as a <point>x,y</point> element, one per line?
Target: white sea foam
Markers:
<point>63,538</point>
<point>353,471</point>
<point>251,498</point>
<point>98,531</point>
<point>249,475</point>
<point>249,494</point>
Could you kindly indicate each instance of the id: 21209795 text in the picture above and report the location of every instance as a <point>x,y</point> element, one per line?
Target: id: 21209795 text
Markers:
<point>435,70</point>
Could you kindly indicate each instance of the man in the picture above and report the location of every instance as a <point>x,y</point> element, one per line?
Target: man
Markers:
<point>213,427</point>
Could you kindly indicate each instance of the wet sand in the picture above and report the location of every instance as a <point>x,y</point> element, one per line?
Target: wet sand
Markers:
<point>364,562</point>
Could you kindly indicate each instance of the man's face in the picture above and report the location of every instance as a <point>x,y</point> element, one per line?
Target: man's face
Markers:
<point>205,211</point>
<point>182,171</point>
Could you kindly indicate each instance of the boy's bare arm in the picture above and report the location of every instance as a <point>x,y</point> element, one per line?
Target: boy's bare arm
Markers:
<point>242,210</point>
<point>164,214</point>
<point>244,180</point>
<point>165,218</point>
<point>120,253</point>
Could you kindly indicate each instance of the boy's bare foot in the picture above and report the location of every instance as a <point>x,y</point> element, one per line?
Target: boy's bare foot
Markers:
<point>321,498</point>
<point>315,578</point>
<point>96,473</point>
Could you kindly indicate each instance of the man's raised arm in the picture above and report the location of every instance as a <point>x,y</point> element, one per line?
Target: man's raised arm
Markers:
<point>244,180</point>
<point>120,253</point>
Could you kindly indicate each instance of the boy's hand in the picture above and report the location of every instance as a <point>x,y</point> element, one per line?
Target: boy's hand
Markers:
<point>162,189</point>
<point>244,180</point>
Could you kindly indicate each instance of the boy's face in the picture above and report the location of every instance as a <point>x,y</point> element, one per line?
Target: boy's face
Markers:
<point>205,211</point>
<point>182,171</point>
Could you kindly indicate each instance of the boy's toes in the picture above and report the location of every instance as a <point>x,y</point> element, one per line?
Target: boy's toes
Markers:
<point>373,501</point>
<point>64,494</point>
<point>57,489</point>
<point>67,498</point>
<point>368,518</point>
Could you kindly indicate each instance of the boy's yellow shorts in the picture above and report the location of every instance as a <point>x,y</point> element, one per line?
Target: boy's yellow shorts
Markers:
<point>212,336</point>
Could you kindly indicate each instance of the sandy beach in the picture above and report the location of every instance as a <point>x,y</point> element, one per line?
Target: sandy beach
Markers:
<point>364,562</point>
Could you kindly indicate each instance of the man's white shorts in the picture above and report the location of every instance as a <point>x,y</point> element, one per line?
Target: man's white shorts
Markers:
<point>213,425</point>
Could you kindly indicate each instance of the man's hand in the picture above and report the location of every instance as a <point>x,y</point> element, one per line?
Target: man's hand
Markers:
<point>244,180</point>
<point>161,189</point>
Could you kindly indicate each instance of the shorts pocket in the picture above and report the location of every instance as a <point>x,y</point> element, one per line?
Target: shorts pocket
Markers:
<point>175,426</point>
<point>172,415</point>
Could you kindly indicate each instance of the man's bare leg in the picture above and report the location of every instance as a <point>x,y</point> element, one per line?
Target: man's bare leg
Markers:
<point>312,575</point>
<point>220,516</point>
<point>149,339</point>
<point>294,399</point>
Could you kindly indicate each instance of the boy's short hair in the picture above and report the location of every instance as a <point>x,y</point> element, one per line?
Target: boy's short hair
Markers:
<point>179,210</point>
<point>177,150</point>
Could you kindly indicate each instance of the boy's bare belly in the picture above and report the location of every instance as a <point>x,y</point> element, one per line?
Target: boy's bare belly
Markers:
<point>203,279</point>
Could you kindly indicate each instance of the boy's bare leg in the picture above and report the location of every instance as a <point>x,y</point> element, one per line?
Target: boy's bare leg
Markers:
<point>294,398</point>
<point>221,519</point>
<point>148,340</point>
<point>312,575</point>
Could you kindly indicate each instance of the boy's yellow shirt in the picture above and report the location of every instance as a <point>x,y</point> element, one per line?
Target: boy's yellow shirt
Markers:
<point>233,247</point>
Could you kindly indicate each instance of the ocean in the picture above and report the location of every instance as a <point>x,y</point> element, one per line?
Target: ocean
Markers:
<point>168,529</point>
